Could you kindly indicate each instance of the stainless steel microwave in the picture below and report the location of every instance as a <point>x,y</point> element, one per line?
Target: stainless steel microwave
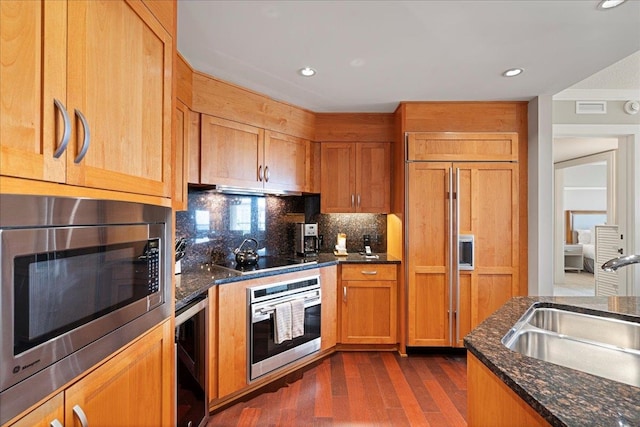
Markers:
<point>80,279</point>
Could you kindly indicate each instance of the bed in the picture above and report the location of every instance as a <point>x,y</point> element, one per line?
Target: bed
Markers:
<point>580,229</point>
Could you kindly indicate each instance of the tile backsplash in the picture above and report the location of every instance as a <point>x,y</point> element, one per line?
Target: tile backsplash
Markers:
<point>216,224</point>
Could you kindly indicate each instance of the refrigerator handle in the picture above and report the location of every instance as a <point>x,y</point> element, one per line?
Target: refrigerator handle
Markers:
<point>456,263</point>
<point>452,256</point>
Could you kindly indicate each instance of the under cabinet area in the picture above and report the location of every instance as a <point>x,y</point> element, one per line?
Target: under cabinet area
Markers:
<point>368,304</point>
<point>138,377</point>
<point>355,177</point>
<point>89,106</point>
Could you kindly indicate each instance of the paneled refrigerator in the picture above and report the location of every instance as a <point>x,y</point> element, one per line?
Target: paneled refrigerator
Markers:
<point>461,239</point>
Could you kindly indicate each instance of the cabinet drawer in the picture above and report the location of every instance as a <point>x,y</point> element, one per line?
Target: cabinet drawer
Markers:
<point>369,272</point>
<point>573,250</point>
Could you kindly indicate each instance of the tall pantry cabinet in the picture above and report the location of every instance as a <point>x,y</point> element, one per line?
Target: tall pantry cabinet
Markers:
<point>462,231</point>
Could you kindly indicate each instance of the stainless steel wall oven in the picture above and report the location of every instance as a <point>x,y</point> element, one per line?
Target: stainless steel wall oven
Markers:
<point>80,279</point>
<point>265,353</point>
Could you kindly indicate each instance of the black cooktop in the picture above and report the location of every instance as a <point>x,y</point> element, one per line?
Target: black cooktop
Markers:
<point>267,263</point>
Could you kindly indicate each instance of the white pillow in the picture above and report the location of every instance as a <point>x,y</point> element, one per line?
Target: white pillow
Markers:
<point>584,237</point>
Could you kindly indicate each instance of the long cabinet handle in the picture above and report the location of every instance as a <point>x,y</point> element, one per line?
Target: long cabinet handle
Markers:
<point>344,293</point>
<point>67,129</point>
<point>55,423</point>
<point>267,174</point>
<point>87,137</point>
<point>82,417</point>
<point>352,200</point>
<point>369,272</point>
<point>260,173</point>
<point>358,200</point>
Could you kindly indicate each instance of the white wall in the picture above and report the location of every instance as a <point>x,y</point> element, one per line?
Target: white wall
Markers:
<point>585,187</point>
<point>540,215</point>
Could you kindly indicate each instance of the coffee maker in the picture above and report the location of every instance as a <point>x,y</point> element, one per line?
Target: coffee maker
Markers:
<point>306,239</point>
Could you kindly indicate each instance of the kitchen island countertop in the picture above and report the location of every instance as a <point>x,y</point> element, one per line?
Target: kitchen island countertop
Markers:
<point>196,280</point>
<point>563,396</point>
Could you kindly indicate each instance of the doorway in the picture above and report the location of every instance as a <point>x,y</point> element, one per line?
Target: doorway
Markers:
<point>585,190</point>
<point>619,196</point>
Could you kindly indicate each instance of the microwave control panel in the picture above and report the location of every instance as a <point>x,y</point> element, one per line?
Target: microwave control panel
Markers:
<point>153,265</point>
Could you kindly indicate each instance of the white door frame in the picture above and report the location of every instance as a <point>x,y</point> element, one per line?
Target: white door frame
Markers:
<point>627,188</point>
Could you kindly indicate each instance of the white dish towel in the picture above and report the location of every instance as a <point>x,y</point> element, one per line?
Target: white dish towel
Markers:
<point>297,318</point>
<point>282,323</point>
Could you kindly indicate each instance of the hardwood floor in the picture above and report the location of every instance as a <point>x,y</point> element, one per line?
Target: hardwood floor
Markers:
<point>362,389</point>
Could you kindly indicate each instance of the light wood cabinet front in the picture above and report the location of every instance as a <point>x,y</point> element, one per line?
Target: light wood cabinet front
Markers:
<point>286,162</point>
<point>355,177</point>
<point>369,304</point>
<point>133,388</point>
<point>238,155</point>
<point>329,325</point>
<point>492,403</point>
<point>33,68</point>
<point>109,67</point>
<point>445,302</point>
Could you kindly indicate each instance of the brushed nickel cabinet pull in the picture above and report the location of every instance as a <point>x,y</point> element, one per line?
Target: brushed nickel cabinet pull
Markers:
<point>55,423</point>
<point>67,129</point>
<point>358,200</point>
<point>352,200</point>
<point>369,272</point>
<point>87,137</point>
<point>344,293</point>
<point>260,173</point>
<point>82,417</point>
<point>267,174</point>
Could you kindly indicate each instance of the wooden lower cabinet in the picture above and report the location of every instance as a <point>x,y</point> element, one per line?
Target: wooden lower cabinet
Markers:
<point>133,388</point>
<point>231,345</point>
<point>491,403</point>
<point>368,304</point>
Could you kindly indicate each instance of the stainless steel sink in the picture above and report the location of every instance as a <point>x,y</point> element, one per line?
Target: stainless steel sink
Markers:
<point>601,346</point>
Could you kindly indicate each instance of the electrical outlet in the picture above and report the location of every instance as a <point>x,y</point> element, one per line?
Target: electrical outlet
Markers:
<point>366,240</point>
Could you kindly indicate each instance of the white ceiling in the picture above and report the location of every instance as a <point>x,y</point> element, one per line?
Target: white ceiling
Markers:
<point>372,54</point>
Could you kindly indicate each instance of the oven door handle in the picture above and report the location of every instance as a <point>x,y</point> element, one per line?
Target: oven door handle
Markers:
<point>263,313</point>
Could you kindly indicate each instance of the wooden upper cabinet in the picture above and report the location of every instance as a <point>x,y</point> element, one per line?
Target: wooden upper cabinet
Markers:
<point>32,78</point>
<point>109,64</point>
<point>355,177</point>
<point>229,153</point>
<point>120,74</point>
<point>456,146</point>
<point>239,155</point>
<point>286,162</point>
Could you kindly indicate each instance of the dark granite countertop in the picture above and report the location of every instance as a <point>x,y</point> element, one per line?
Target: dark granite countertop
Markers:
<point>196,280</point>
<point>563,396</point>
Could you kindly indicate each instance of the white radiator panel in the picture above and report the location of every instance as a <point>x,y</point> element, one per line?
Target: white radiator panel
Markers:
<point>607,244</point>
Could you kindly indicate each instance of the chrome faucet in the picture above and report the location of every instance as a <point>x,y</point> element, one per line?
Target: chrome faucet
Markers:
<point>621,261</point>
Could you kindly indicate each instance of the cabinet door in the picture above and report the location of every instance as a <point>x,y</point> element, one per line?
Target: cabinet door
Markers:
<point>338,177</point>
<point>286,162</point>
<point>232,337</point>
<point>488,209</point>
<point>229,153</point>
<point>368,312</point>
<point>329,327</point>
<point>44,415</point>
<point>373,174</point>
<point>429,225</point>
<point>33,41</point>
<point>134,388</point>
<point>120,61</point>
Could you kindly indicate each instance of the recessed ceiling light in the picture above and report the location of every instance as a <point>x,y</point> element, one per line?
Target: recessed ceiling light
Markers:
<point>307,71</point>
<point>512,72</point>
<point>609,4</point>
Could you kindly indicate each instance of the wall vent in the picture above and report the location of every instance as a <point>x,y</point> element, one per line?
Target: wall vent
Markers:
<point>591,107</point>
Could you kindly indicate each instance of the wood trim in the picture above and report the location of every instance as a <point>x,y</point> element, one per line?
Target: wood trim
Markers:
<point>10,185</point>
<point>166,13</point>
<point>354,127</point>
<point>184,80</point>
<point>222,99</point>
